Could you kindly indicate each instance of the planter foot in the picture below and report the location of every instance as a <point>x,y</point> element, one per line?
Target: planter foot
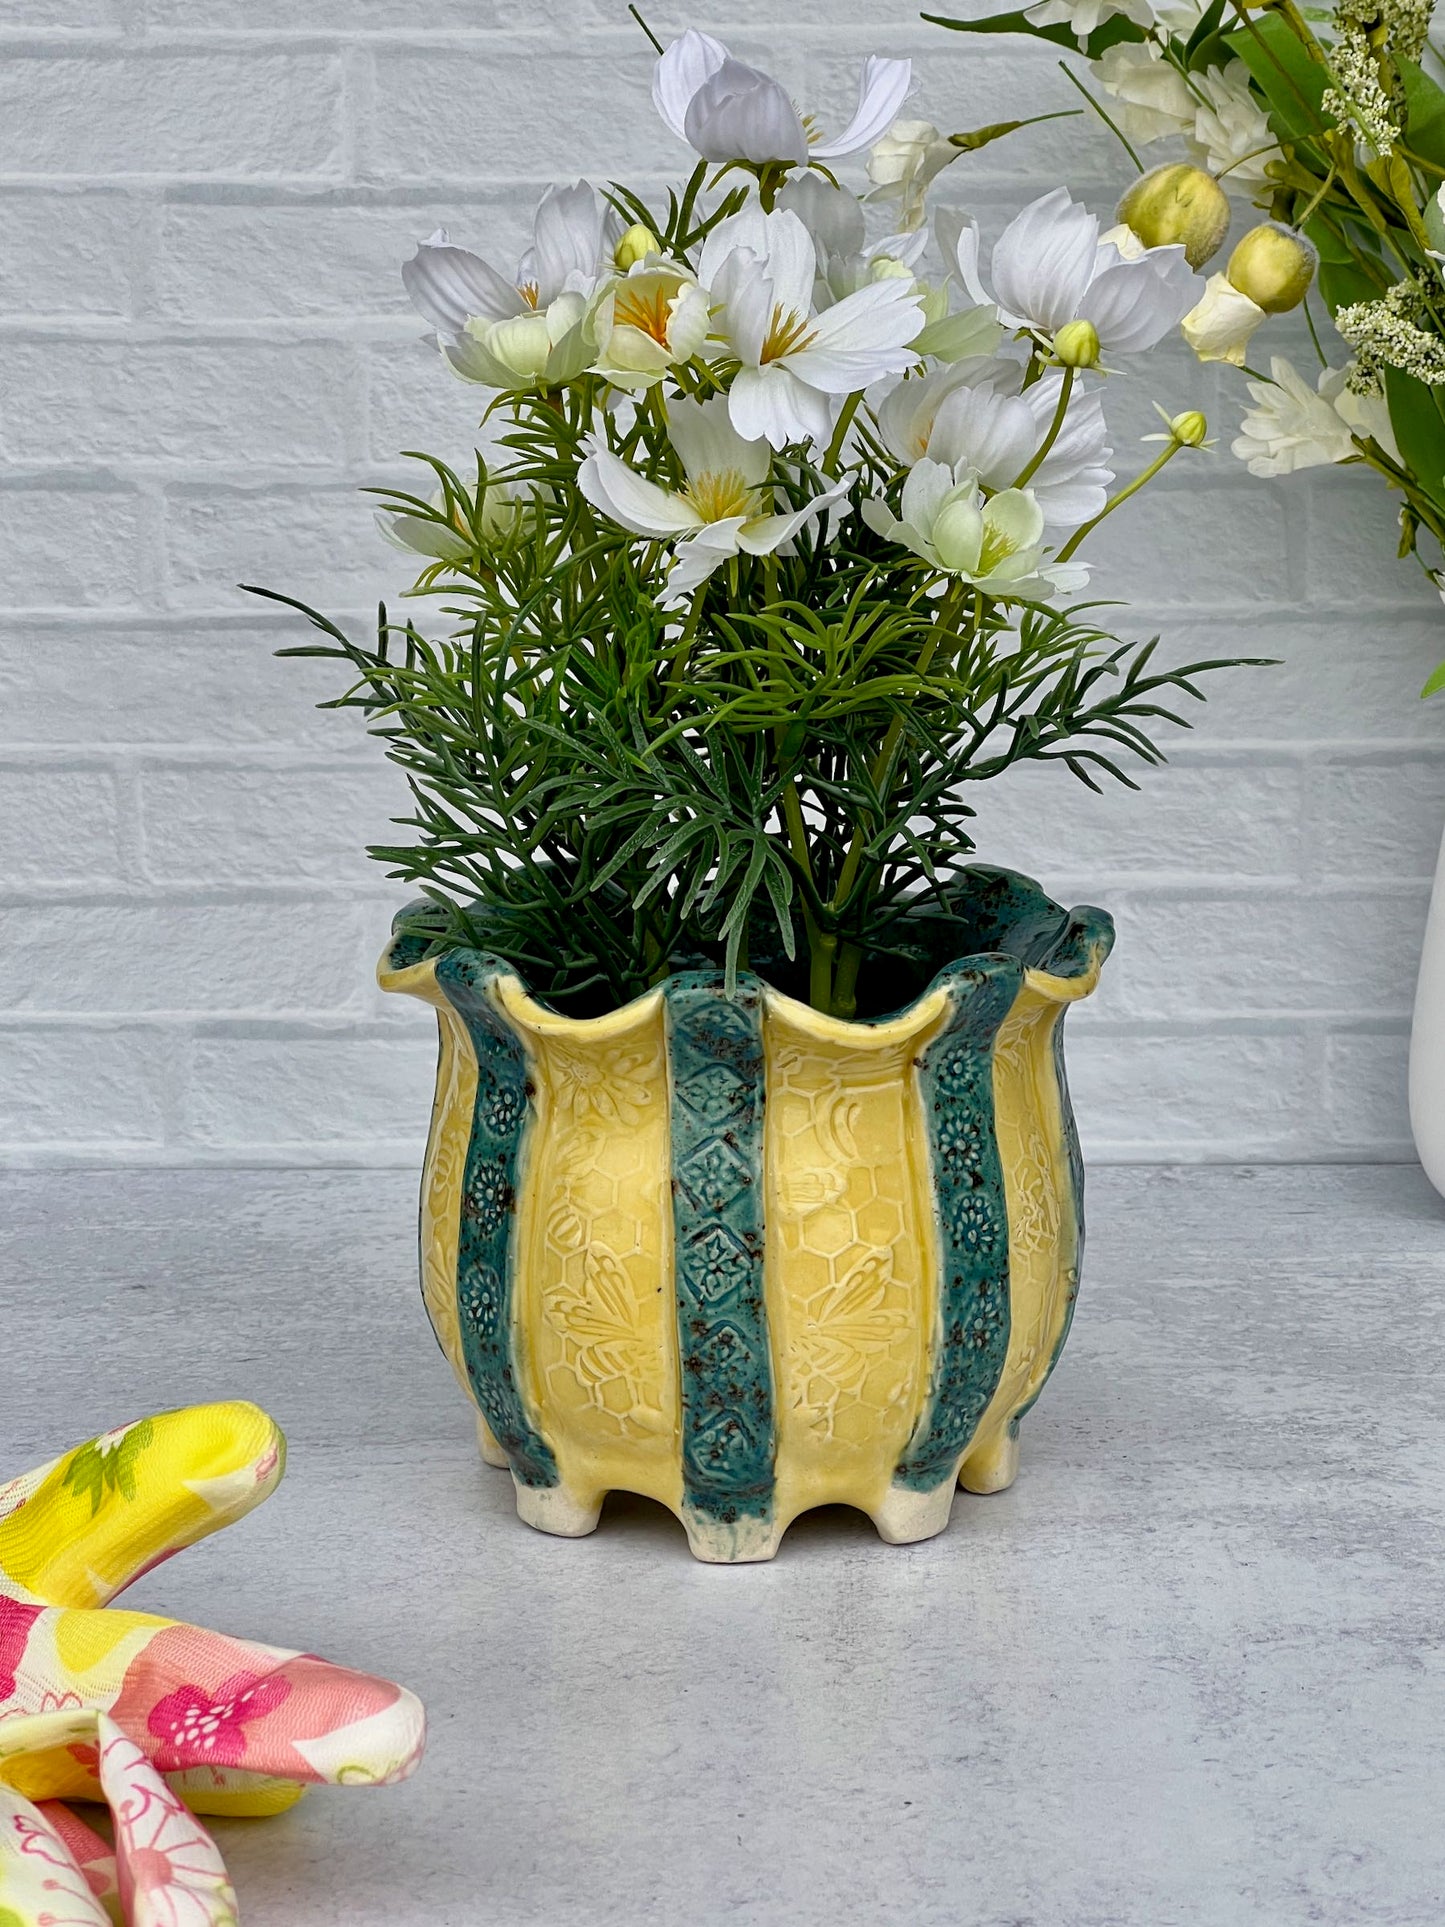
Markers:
<point>490,1450</point>
<point>906,1516</point>
<point>738,1543</point>
<point>992,1467</point>
<point>558,1510</point>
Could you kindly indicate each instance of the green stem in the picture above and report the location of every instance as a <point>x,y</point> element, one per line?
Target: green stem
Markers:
<point>1031,468</point>
<point>1071,546</point>
<point>835,446</point>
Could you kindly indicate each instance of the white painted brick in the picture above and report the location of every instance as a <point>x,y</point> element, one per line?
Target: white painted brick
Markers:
<point>463,116</point>
<point>58,826</point>
<point>71,15</point>
<point>261,1093</point>
<point>319,544</point>
<point>1345,678</point>
<point>82,547</point>
<point>89,685</point>
<point>290,956</point>
<point>193,111</point>
<point>1189,1093</point>
<point>82,1086</point>
<point>374,16</point>
<point>236,262</point>
<point>1258,953</point>
<point>417,402</point>
<point>67,254</point>
<point>1352,529</point>
<point>1217,545</point>
<point>1367,1091</point>
<point>79,402</point>
<point>208,823</point>
<point>1376,819</point>
<point>1212,820</point>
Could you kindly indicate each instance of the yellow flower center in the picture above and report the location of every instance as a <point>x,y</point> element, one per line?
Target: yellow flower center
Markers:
<point>787,333</point>
<point>647,309</point>
<point>997,547</point>
<point>528,291</point>
<point>719,493</point>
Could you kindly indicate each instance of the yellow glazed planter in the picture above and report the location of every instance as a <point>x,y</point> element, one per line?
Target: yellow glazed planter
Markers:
<point>747,1259</point>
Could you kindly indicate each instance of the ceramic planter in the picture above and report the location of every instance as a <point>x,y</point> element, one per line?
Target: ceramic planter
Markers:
<point>747,1259</point>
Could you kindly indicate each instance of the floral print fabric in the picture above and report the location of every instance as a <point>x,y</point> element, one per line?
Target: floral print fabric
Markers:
<point>158,1720</point>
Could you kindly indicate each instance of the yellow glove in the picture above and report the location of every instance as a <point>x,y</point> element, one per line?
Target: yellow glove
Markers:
<point>135,1710</point>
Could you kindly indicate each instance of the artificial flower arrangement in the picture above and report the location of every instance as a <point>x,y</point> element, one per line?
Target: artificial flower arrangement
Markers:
<point>778,549</point>
<point>752,1182</point>
<point>1336,130</point>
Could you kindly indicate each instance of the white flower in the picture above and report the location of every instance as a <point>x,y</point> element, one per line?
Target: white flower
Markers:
<point>510,333</point>
<point>728,111</point>
<point>760,270</point>
<point>995,543</point>
<point>1221,325</point>
<point>645,321</point>
<point>1231,135</point>
<point>1293,426</point>
<point>722,508</point>
<point>903,164</point>
<point>974,418</point>
<point>500,523</point>
<point>1083,16</point>
<point>1050,267</point>
<point>1368,416</point>
<point>1155,101</point>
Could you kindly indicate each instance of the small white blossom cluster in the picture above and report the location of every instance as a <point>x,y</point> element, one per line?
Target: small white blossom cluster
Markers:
<point>779,359</point>
<point>1360,100</point>
<point>1387,334</point>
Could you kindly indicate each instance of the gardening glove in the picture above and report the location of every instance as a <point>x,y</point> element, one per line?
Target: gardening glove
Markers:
<point>145,1714</point>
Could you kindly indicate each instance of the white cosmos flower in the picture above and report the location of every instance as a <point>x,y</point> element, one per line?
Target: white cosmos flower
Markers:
<point>501,522</point>
<point>508,333</point>
<point>760,271</point>
<point>846,259</point>
<point>728,111</point>
<point>1050,266</point>
<point>1222,324</point>
<point>976,419</point>
<point>1154,98</point>
<point>996,543</point>
<point>904,163</point>
<point>1231,135</point>
<point>721,510</point>
<point>1083,16</point>
<point>645,321</point>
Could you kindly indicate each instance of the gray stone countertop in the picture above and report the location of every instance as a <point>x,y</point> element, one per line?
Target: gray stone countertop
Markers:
<point>1189,1672</point>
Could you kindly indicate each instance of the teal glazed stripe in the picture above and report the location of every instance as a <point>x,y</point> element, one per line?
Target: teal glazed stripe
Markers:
<point>715,1059</point>
<point>956,1080</point>
<point>488,1212</point>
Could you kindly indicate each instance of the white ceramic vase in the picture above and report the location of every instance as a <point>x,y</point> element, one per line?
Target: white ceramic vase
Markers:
<point>1427,1041</point>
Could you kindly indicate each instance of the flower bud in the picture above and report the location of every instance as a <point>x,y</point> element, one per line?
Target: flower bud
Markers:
<point>1189,429</point>
<point>1178,205</point>
<point>1076,344</point>
<point>1274,266</point>
<point>636,244</point>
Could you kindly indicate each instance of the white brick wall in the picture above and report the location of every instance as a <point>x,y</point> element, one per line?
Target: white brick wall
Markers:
<point>204,352</point>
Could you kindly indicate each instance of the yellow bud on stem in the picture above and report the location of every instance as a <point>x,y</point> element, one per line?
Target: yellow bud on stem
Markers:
<point>636,244</point>
<point>1274,266</point>
<point>1178,205</point>
<point>1189,429</point>
<point>1076,345</point>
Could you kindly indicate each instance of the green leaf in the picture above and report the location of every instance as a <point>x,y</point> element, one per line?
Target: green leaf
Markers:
<point>1110,34</point>
<point>1292,83</point>
<point>1424,113</point>
<point>1435,682</point>
<point>1419,427</point>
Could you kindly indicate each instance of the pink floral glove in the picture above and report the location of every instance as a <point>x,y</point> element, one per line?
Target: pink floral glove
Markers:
<point>157,1719</point>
